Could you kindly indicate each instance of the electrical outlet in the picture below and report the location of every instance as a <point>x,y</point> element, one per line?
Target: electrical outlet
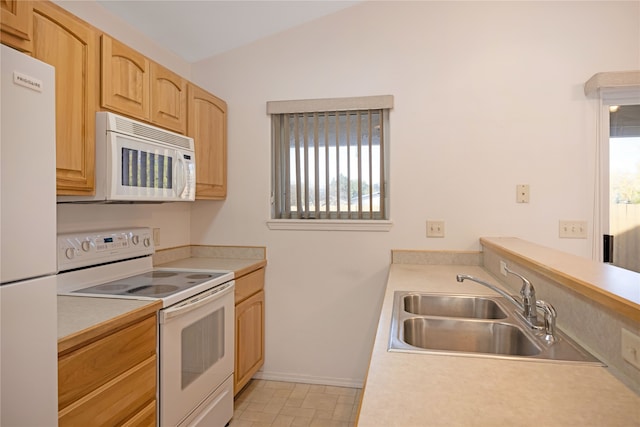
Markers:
<point>503,265</point>
<point>630,347</point>
<point>522,193</point>
<point>573,229</point>
<point>435,228</point>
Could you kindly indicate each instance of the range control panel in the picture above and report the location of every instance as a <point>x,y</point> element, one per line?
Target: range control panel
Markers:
<point>84,249</point>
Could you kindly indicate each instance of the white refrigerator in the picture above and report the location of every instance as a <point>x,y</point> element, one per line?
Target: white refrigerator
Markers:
<point>28,308</point>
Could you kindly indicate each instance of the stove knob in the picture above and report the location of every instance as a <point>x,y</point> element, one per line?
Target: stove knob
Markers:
<point>147,242</point>
<point>86,246</point>
<point>135,239</point>
<point>69,253</point>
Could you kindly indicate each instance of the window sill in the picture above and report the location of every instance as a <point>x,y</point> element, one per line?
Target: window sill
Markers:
<point>329,225</point>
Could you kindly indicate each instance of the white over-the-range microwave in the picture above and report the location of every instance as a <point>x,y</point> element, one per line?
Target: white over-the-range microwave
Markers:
<point>137,162</point>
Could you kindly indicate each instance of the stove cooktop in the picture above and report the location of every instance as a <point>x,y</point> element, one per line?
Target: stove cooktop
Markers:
<point>117,263</point>
<point>159,284</point>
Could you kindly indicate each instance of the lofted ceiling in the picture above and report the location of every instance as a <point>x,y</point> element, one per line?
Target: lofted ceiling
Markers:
<point>199,29</point>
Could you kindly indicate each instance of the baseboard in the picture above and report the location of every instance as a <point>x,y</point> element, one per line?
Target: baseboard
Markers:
<point>308,379</point>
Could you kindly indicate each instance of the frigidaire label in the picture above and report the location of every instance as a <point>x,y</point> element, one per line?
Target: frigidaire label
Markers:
<point>27,81</point>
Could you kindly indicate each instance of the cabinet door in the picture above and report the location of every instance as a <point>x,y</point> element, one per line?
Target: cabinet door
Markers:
<point>168,99</point>
<point>207,125</point>
<point>125,79</point>
<point>16,24</point>
<point>249,339</point>
<point>71,46</point>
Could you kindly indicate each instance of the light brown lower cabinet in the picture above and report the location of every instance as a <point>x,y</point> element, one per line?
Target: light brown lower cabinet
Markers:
<point>110,380</point>
<point>249,327</point>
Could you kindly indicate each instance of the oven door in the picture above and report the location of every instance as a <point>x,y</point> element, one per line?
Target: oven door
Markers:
<point>196,354</point>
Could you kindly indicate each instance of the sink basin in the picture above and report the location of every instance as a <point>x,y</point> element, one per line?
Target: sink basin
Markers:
<point>453,306</point>
<point>474,326</point>
<point>468,336</point>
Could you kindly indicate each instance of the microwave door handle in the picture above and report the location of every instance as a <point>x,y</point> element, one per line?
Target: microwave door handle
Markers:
<point>181,173</point>
<point>218,292</point>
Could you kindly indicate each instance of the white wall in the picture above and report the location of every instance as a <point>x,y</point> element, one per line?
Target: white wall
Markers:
<point>173,219</point>
<point>487,96</point>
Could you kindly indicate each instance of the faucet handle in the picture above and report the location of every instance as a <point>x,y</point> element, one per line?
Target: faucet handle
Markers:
<point>528,294</point>
<point>550,315</point>
<point>526,283</point>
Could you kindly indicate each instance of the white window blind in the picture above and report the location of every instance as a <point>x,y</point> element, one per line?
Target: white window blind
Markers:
<point>330,164</point>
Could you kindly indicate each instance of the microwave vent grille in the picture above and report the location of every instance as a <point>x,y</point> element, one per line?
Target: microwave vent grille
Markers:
<point>139,129</point>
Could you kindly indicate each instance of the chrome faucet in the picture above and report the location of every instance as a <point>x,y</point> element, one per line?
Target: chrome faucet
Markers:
<point>528,294</point>
<point>528,306</point>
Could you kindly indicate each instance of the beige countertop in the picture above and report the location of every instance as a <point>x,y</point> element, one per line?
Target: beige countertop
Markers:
<point>82,319</point>
<point>239,259</point>
<point>407,390</point>
<point>238,265</point>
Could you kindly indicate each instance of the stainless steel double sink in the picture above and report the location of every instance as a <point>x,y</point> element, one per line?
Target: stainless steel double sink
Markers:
<point>468,325</point>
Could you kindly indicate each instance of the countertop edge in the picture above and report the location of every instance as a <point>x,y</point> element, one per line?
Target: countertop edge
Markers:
<point>251,268</point>
<point>594,291</point>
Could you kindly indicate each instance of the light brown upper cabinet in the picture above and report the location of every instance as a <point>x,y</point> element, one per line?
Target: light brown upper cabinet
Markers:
<point>137,87</point>
<point>168,99</point>
<point>16,24</point>
<point>207,125</point>
<point>125,79</point>
<point>71,46</point>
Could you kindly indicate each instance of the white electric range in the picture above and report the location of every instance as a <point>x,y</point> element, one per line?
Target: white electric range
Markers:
<point>195,325</point>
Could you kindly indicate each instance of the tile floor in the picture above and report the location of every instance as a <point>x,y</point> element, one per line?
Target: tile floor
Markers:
<point>284,404</point>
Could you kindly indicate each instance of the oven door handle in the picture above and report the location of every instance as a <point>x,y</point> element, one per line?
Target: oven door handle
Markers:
<point>196,302</point>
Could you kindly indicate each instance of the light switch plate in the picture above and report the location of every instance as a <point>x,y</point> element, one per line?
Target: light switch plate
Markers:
<point>435,228</point>
<point>572,229</point>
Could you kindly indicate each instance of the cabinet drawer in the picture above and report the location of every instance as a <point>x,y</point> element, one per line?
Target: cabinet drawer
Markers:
<point>145,418</point>
<point>113,403</point>
<point>249,285</point>
<point>84,370</point>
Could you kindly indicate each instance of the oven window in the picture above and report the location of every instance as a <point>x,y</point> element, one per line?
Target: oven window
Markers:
<point>202,346</point>
<point>145,169</point>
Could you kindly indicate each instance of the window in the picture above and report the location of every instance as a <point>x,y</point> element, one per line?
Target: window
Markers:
<point>616,225</point>
<point>330,159</point>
